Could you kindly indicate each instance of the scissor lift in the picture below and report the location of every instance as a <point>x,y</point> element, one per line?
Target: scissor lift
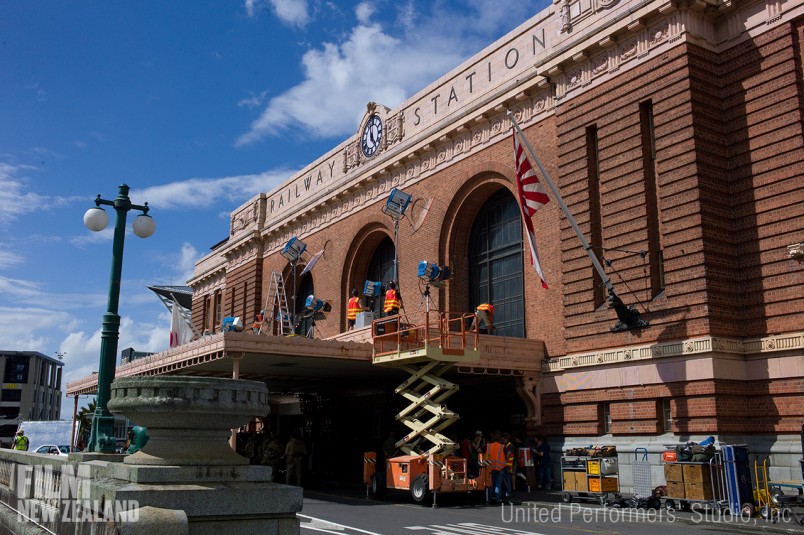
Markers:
<point>425,352</point>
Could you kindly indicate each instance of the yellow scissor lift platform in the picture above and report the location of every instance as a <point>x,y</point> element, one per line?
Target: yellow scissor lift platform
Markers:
<point>425,352</point>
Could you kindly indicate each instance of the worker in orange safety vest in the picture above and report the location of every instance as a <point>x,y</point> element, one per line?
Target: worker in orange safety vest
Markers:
<point>393,300</point>
<point>485,314</point>
<point>257,325</point>
<point>495,455</point>
<point>354,308</point>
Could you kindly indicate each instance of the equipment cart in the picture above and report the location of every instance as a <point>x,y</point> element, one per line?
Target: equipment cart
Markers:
<point>589,477</point>
<point>700,482</point>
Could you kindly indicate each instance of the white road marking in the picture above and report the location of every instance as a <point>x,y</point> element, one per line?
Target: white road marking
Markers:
<point>469,528</point>
<point>319,524</point>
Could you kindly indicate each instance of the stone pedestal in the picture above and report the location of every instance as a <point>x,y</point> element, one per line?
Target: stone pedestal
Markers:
<point>187,479</point>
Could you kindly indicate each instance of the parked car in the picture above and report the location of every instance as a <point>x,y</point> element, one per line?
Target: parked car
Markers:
<point>53,449</point>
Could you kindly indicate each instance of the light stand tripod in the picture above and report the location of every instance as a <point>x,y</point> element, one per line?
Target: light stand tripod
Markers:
<point>312,329</point>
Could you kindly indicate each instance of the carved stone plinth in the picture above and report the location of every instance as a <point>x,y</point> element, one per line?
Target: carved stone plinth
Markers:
<point>189,419</point>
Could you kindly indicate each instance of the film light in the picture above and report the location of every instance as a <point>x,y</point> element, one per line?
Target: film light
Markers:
<point>433,274</point>
<point>397,204</point>
<point>372,289</point>
<point>293,249</point>
<point>314,304</point>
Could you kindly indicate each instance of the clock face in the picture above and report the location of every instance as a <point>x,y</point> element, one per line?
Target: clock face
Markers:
<point>372,135</point>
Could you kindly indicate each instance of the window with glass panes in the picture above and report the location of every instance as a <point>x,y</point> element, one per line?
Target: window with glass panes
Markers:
<point>495,263</point>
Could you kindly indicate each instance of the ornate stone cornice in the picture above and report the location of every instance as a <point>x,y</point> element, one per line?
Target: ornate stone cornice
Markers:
<point>693,346</point>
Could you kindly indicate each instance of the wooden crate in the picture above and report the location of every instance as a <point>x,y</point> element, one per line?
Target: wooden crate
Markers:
<point>698,491</point>
<point>697,473</point>
<point>673,472</point>
<point>675,489</point>
<point>608,484</point>
<point>580,482</point>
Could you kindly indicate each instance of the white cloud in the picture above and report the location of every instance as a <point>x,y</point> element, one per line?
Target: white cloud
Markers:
<point>15,200</point>
<point>252,6</point>
<point>105,235</point>
<point>83,349</point>
<point>9,258</point>
<point>206,192</point>
<point>255,100</point>
<point>382,65</point>
<point>187,259</point>
<point>293,12</point>
<point>32,328</point>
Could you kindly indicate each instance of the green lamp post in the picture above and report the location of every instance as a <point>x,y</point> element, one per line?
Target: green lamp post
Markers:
<point>102,438</point>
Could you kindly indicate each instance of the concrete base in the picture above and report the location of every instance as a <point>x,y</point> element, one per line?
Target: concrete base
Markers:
<point>214,500</point>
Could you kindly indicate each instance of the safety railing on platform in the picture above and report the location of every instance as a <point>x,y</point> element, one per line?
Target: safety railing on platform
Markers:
<point>448,331</point>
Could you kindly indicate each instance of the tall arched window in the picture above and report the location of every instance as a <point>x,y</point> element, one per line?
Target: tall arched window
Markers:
<point>381,268</point>
<point>495,263</point>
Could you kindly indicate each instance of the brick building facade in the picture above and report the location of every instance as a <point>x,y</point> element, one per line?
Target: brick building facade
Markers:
<point>674,132</point>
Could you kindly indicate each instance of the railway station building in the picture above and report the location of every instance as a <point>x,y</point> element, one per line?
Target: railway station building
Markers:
<point>673,130</point>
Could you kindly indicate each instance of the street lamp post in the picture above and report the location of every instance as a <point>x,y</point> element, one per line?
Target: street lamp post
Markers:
<point>102,438</point>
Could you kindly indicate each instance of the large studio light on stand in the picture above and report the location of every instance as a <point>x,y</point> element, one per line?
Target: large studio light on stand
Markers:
<point>395,208</point>
<point>292,252</point>
<point>432,274</point>
<point>315,308</point>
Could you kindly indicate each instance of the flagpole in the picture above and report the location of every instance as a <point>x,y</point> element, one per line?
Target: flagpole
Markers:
<point>564,208</point>
<point>628,316</point>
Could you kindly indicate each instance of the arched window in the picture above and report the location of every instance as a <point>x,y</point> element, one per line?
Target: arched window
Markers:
<point>381,268</point>
<point>495,263</point>
<point>305,288</point>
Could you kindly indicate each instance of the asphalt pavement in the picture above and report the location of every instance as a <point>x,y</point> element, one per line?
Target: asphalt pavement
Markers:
<point>346,510</point>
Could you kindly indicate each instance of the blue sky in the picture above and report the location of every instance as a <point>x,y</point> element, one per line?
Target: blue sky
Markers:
<point>197,105</point>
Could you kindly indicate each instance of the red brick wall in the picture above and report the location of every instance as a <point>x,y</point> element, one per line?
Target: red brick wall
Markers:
<point>246,279</point>
<point>709,407</point>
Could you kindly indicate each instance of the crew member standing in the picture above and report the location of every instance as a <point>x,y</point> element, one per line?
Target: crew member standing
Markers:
<point>20,441</point>
<point>393,300</point>
<point>354,308</point>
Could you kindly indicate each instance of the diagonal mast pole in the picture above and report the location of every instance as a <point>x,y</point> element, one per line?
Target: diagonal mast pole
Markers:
<point>628,316</point>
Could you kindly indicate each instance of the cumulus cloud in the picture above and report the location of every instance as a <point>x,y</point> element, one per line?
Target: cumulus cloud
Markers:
<point>206,192</point>
<point>292,12</point>
<point>32,328</point>
<point>384,65</point>
<point>82,349</point>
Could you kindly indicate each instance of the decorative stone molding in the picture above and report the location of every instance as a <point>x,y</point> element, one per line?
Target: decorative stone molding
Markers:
<point>394,132</point>
<point>528,388</point>
<point>696,346</point>
<point>188,418</point>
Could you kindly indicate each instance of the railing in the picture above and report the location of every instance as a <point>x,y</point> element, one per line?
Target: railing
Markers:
<point>445,330</point>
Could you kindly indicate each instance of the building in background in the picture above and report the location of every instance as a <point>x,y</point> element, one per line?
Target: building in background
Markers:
<point>31,389</point>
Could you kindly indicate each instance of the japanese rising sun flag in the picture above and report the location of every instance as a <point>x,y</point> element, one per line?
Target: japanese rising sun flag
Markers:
<point>532,196</point>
